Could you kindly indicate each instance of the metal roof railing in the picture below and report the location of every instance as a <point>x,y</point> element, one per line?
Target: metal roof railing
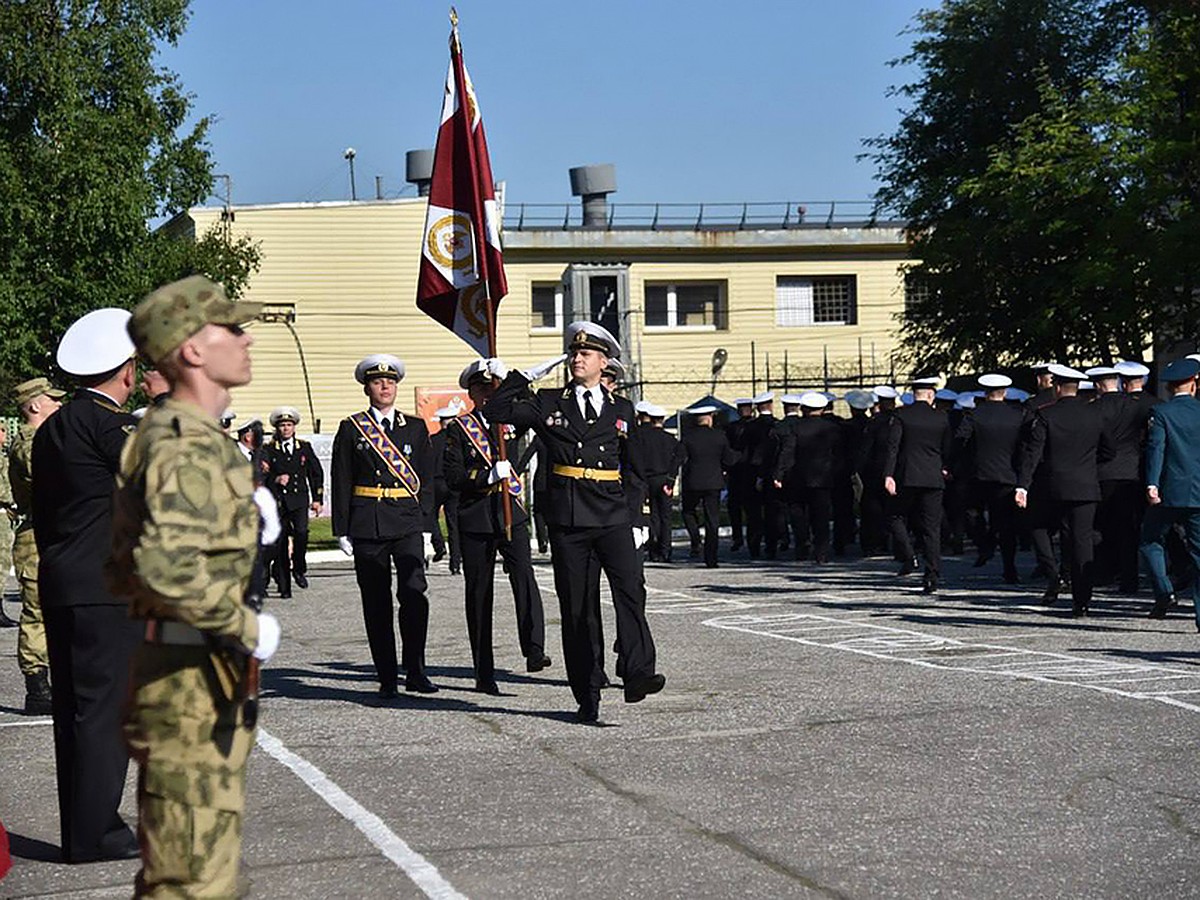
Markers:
<point>698,216</point>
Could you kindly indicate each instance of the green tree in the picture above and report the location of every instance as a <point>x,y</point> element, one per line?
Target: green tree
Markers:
<point>94,144</point>
<point>1007,185</point>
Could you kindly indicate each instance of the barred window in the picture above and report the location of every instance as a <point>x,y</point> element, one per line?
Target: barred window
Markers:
<point>916,290</point>
<point>547,306</point>
<point>817,300</point>
<point>695,304</point>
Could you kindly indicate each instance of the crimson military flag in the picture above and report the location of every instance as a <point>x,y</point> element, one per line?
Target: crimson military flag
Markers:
<point>461,280</point>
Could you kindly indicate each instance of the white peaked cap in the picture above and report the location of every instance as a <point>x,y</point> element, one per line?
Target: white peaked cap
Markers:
<point>96,343</point>
<point>813,400</point>
<point>764,397</point>
<point>993,380</point>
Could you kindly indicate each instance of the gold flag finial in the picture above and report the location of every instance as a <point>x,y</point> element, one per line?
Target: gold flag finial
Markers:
<point>453,17</point>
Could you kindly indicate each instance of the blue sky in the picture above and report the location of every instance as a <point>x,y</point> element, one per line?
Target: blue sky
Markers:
<point>701,101</point>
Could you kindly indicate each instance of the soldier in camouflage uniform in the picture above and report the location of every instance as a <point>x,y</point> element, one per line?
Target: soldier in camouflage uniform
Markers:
<point>186,530</point>
<point>36,401</point>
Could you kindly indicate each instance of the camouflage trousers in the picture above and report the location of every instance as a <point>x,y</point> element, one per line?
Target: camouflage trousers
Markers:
<point>185,729</point>
<point>31,641</point>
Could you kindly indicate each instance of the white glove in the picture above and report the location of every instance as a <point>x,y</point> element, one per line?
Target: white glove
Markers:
<point>268,637</point>
<point>495,367</point>
<point>500,471</point>
<point>544,368</point>
<point>346,544</point>
<point>641,536</point>
<point>428,541</point>
<point>267,508</point>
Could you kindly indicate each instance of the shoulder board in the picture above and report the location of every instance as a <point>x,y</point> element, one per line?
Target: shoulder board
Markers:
<point>104,404</point>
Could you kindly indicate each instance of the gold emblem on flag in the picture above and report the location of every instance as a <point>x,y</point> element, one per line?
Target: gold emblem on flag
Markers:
<point>471,306</point>
<point>449,242</point>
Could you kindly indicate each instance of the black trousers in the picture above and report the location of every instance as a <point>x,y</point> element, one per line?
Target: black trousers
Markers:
<point>955,499</point>
<point>90,652</point>
<point>295,526</point>
<point>766,523</point>
<point>874,503</point>
<point>707,503</point>
<point>997,526</point>
<point>479,574</point>
<point>809,510</point>
<point>447,500</point>
<point>1075,521</point>
<point>842,505</point>
<point>579,555</point>
<point>1118,519</point>
<point>736,500</point>
<point>921,510</point>
<point>373,561</point>
<point>660,522</point>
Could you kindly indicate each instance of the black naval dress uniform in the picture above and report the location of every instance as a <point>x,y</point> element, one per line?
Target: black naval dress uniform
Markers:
<point>919,446</point>
<point>810,460</point>
<point>1063,439</point>
<point>305,485</point>
<point>764,507</point>
<point>872,460</point>
<point>989,442</point>
<point>588,519</point>
<point>444,498</point>
<point>660,455</point>
<point>740,480</point>
<point>385,519</point>
<point>1122,498</point>
<point>468,461</point>
<point>706,457</point>
<point>90,637</point>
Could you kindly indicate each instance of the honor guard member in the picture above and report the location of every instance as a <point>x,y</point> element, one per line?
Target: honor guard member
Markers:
<point>90,637</point>
<point>444,497</point>
<point>1173,482</point>
<point>919,447</point>
<point>1119,467</point>
<point>661,455</point>
<point>295,477</point>
<point>741,476</point>
<point>382,515</point>
<point>249,438</point>
<point>584,431</point>
<point>810,451</point>
<point>1045,394</point>
<point>185,535</point>
<point>764,511</point>
<point>706,457</point>
<point>989,442</point>
<point>854,442</point>
<point>474,469</point>
<point>1063,438</point>
<point>36,401</point>
<point>1133,379</point>
<point>874,529</point>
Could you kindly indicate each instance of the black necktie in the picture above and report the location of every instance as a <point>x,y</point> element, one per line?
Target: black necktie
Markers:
<point>387,425</point>
<point>589,411</point>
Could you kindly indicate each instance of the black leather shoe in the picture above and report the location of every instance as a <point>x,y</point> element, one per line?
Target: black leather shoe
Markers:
<point>1050,595</point>
<point>300,579</point>
<point>639,688</point>
<point>439,555</point>
<point>908,567</point>
<point>387,692</point>
<point>455,568</point>
<point>419,684</point>
<point>981,560</point>
<point>537,662</point>
<point>120,844</point>
<point>929,585</point>
<point>588,714</point>
<point>285,595</point>
<point>487,687</point>
<point>1159,610</point>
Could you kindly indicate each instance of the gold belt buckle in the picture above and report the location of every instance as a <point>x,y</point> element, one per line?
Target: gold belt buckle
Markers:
<point>588,474</point>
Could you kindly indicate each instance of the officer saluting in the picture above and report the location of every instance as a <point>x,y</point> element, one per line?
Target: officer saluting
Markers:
<point>185,536</point>
<point>474,469</point>
<point>295,478</point>
<point>75,459</point>
<point>382,508</point>
<point>585,431</point>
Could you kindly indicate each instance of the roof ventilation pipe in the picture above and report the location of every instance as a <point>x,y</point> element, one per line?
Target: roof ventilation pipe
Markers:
<point>594,184</point>
<point>418,170</point>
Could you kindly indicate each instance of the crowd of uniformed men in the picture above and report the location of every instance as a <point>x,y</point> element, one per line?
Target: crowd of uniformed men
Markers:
<point>145,543</point>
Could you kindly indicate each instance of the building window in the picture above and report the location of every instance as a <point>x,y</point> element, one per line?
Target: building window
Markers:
<point>694,304</point>
<point>821,300</point>
<point>916,291</point>
<point>547,310</point>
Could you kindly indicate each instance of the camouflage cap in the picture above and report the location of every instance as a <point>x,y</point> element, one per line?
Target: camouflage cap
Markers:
<point>35,387</point>
<point>170,315</point>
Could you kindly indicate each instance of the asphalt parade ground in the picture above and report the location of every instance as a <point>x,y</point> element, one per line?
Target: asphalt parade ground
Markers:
<point>823,733</point>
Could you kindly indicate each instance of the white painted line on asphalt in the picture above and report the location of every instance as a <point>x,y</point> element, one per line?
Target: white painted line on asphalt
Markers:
<point>26,723</point>
<point>896,645</point>
<point>415,866</point>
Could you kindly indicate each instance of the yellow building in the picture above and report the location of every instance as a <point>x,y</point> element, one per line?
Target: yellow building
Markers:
<point>676,284</point>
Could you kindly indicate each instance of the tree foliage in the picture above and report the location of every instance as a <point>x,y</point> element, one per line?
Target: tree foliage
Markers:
<point>1047,170</point>
<point>94,144</point>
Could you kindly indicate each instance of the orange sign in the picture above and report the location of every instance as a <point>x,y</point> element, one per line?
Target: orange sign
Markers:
<point>431,399</point>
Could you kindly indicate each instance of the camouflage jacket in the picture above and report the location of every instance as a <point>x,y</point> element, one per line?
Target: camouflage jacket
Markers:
<point>20,474</point>
<point>185,525</point>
